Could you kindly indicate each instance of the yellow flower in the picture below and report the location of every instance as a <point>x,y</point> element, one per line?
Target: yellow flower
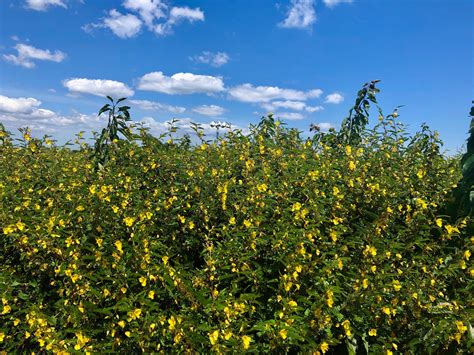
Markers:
<point>2,336</point>
<point>461,327</point>
<point>467,254</point>
<point>213,337</point>
<point>386,310</point>
<point>247,223</point>
<point>135,314</point>
<point>352,165</point>
<point>324,347</point>
<point>115,209</point>
<point>292,304</point>
<point>365,283</point>
<point>232,220</point>
<point>439,222</point>
<point>373,332</point>
<point>246,341</point>
<point>118,245</point>
<point>151,294</point>
<point>129,221</point>
<point>396,285</point>
<point>128,334</point>
<point>172,322</point>
<point>348,149</point>
<point>20,226</point>
<point>142,280</point>
<point>121,324</point>
<point>8,229</point>
<point>227,335</point>
<point>80,208</point>
<point>283,333</point>
<point>6,309</point>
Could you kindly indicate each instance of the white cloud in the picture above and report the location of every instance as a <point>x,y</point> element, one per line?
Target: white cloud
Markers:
<point>156,106</point>
<point>300,15</point>
<point>42,5</point>
<point>291,116</point>
<point>124,26</point>
<point>20,112</point>
<point>258,94</point>
<point>27,54</point>
<point>209,110</point>
<point>180,83</point>
<point>332,3</point>
<point>18,105</point>
<point>334,98</point>
<point>177,15</point>
<point>292,105</point>
<point>215,59</point>
<point>314,108</point>
<point>148,12</point>
<point>98,87</point>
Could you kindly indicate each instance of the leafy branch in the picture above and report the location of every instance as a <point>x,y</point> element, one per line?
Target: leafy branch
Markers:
<point>117,118</point>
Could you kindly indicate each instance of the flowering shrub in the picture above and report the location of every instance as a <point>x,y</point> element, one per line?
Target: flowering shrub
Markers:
<point>266,242</point>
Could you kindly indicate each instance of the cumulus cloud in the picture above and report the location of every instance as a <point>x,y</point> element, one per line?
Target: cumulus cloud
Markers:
<point>209,110</point>
<point>177,15</point>
<point>26,55</point>
<point>98,87</point>
<point>334,98</point>
<point>149,10</point>
<point>332,3</point>
<point>18,105</point>
<point>154,14</point>
<point>42,5</point>
<point>314,108</point>
<point>156,106</point>
<point>300,15</point>
<point>258,94</point>
<point>21,112</point>
<point>292,105</point>
<point>214,59</point>
<point>123,26</point>
<point>291,116</point>
<point>180,83</point>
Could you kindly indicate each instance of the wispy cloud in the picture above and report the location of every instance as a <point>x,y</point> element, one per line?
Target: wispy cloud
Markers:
<point>301,14</point>
<point>155,15</point>
<point>214,59</point>
<point>333,3</point>
<point>156,106</point>
<point>209,110</point>
<point>26,55</point>
<point>43,5</point>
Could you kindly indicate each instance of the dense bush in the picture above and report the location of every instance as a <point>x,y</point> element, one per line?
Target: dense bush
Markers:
<point>266,242</point>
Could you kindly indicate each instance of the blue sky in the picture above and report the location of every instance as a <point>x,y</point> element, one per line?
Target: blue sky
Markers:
<point>205,60</point>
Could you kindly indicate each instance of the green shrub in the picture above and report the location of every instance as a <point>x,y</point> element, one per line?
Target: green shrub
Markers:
<point>266,242</point>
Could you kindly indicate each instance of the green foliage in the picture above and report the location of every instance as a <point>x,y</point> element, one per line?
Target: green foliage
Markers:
<point>117,118</point>
<point>266,242</point>
<point>354,125</point>
<point>462,199</point>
